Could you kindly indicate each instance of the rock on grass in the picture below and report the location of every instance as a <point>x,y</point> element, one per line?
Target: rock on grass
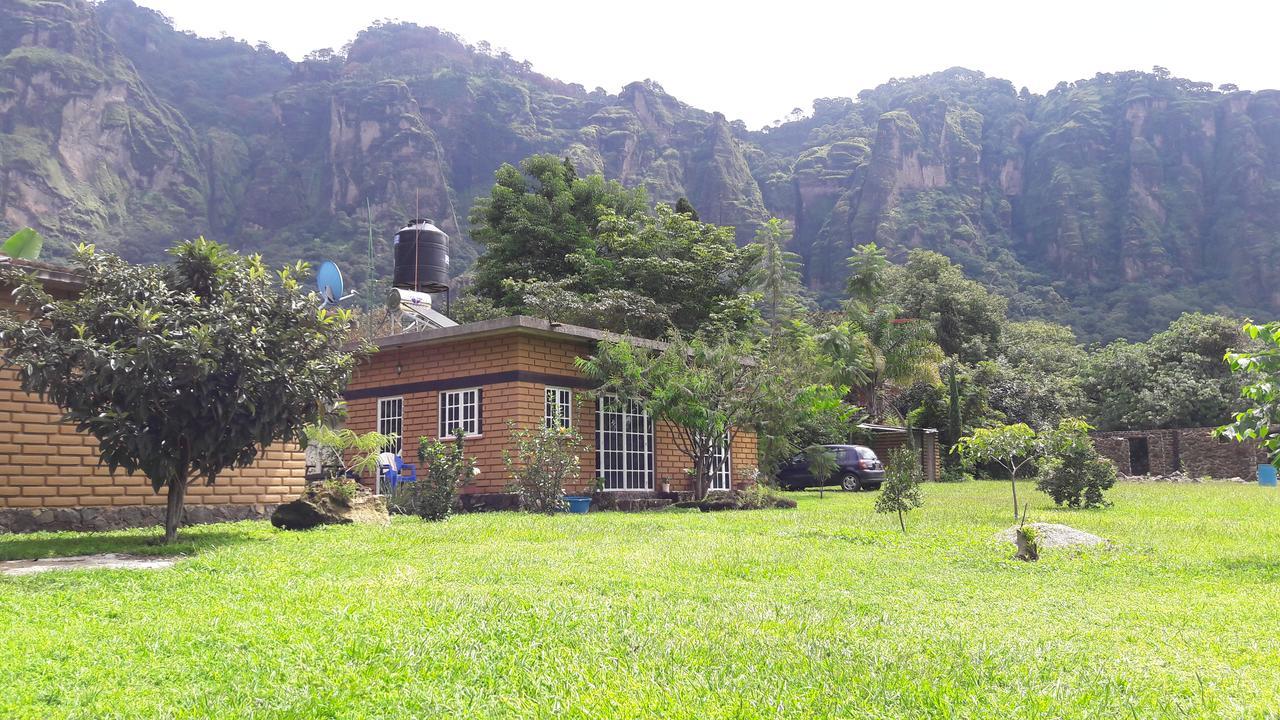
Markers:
<point>1053,535</point>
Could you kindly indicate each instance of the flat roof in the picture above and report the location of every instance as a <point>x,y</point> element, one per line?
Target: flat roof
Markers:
<point>513,324</point>
<point>50,275</point>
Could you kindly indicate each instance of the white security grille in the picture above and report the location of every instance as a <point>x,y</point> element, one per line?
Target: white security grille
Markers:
<point>624,444</point>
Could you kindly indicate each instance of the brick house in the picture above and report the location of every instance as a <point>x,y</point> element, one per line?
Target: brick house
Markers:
<point>1195,452</point>
<point>482,376</point>
<point>50,478</point>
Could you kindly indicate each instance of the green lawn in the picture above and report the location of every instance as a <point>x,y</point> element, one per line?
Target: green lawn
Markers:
<point>824,611</point>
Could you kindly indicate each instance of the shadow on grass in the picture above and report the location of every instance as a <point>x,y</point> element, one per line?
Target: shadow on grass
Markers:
<point>141,541</point>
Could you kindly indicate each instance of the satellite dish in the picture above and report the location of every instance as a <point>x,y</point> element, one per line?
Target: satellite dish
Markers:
<point>329,283</point>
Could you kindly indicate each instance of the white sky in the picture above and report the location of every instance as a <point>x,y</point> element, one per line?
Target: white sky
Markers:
<point>756,61</point>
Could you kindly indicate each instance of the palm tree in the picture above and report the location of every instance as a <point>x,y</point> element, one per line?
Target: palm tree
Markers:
<point>875,349</point>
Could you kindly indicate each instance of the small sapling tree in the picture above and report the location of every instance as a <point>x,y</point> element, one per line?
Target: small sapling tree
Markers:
<point>1010,446</point>
<point>181,371</point>
<point>901,490</point>
<point>822,465</point>
<point>1260,368</point>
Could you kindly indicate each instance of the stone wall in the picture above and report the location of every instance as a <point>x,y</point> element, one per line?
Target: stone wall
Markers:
<point>1192,451</point>
<point>19,520</point>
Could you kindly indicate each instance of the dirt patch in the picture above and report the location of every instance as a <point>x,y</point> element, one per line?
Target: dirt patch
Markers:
<point>1053,535</point>
<point>103,561</point>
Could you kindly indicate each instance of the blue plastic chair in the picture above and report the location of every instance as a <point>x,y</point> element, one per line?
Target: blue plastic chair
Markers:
<point>395,470</point>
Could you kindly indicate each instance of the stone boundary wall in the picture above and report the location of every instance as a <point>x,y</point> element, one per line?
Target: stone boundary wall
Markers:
<point>117,518</point>
<point>1192,451</point>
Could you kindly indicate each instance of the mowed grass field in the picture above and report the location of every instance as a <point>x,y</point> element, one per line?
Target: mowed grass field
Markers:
<point>825,611</point>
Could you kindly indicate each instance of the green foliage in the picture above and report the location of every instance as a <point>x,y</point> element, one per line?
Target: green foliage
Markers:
<point>1258,370</point>
<point>544,461</point>
<point>180,371</point>
<point>23,245</point>
<point>900,491</point>
<point>443,468</point>
<point>342,489</point>
<point>967,318</point>
<point>821,462</point>
<point>337,445</point>
<point>776,277</point>
<point>1175,379</point>
<point>1073,473</point>
<point>1009,446</point>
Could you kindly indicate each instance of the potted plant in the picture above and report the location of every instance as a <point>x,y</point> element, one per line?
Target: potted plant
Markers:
<point>582,503</point>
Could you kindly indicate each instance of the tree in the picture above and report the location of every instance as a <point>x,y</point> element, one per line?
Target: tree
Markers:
<point>1259,371</point>
<point>1175,379</point>
<point>776,276</point>
<point>1074,474</point>
<point>868,267</point>
<point>709,390</point>
<point>822,464</point>
<point>901,490</point>
<point>181,371</point>
<point>684,207</point>
<point>967,318</point>
<point>894,351</point>
<point>535,217</point>
<point>1010,446</point>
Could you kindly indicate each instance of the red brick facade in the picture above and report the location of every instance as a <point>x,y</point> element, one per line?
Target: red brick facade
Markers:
<point>46,464</point>
<point>512,361</point>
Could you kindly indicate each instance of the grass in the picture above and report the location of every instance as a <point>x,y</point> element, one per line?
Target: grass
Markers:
<point>824,611</point>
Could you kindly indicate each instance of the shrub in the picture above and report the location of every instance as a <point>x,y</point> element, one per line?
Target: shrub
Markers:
<point>1074,473</point>
<point>443,468</point>
<point>340,488</point>
<point>543,461</point>
<point>900,492</point>
<point>762,497</point>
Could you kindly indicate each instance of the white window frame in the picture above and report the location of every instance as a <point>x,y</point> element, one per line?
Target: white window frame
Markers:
<point>625,455</point>
<point>469,421</point>
<point>390,421</point>
<point>558,407</point>
<point>722,472</point>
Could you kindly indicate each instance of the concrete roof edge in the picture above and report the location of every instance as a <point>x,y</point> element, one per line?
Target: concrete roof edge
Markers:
<point>511,324</point>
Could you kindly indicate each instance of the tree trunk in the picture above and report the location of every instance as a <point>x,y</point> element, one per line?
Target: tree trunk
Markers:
<point>901,523</point>
<point>1013,482</point>
<point>173,509</point>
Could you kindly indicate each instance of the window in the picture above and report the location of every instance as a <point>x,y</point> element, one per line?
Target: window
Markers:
<point>721,472</point>
<point>559,412</point>
<point>460,409</point>
<point>391,422</point>
<point>624,444</point>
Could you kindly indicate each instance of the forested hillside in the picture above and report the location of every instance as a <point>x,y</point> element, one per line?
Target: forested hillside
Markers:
<point>1112,203</point>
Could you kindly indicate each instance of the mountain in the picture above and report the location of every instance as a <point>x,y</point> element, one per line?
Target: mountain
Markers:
<point>1111,203</point>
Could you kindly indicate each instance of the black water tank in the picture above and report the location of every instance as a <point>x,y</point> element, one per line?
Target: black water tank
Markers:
<point>421,258</point>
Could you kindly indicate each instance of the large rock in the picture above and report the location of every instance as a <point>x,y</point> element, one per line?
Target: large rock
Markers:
<point>1053,535</point>
<point>325,508</point>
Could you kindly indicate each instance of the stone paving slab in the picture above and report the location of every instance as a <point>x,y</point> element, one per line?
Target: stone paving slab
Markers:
<point>103,561</point>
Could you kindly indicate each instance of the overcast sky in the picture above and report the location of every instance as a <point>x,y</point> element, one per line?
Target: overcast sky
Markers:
<point>756,62</point>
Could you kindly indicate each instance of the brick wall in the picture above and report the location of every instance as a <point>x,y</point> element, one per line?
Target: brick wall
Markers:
<point>46,464</point>
<point>883,443</point>
<point>390,371</point>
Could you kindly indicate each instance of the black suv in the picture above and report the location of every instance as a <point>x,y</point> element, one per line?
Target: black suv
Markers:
<point>858,468</point>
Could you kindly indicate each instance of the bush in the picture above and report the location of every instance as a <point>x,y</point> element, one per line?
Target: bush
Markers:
<point>544,460</point>
<point>1074,474</point>
<point>954,474</point>
<point>340,488</point>
<point>443,468</point>
<point>762,497</point>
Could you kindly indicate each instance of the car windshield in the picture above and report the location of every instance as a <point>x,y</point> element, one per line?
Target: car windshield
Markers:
<point>867,454</point>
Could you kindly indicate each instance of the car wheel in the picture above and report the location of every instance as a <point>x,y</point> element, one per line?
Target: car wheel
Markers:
<point>850,482</point>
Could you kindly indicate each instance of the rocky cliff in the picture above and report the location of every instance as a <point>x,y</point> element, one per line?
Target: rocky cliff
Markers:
<point>1112,203</point>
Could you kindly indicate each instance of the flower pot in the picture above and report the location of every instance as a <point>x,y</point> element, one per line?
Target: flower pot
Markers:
<point>578,503</point>
<point>666,487</point>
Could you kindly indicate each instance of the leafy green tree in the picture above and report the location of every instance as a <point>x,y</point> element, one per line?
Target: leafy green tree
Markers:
<point>822,464</point>
<point>535,217</point>
<point>1175,379</point>
<point>1073,473</point>
<point>708,389</point>
<point>1010,447</point>
<point>181,371</point>
<point>868,274</point>
<point>776,276</point>
<point>900,492</point>
<point>967,318</point>
<point>1259,370</point>
<point>684,207</point>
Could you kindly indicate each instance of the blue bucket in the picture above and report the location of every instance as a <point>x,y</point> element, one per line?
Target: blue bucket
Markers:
<point>1267,475</point>
<point>578,503</point>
